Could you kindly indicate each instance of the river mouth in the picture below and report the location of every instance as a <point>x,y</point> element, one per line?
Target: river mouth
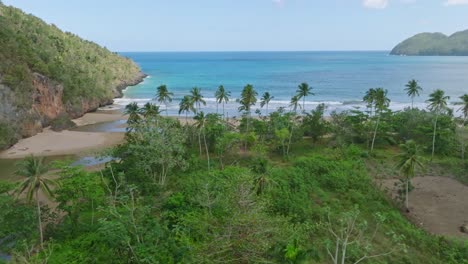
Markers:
<point>9,166</point>
<point>118,126</point>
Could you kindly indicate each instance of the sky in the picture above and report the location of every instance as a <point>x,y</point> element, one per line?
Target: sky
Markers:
<point>249,25</point>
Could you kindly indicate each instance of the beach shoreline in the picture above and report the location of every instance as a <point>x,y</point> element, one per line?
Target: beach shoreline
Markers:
<point>68,142</point>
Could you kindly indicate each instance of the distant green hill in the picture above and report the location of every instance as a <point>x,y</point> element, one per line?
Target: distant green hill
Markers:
<point>46,73</point>
<point>434,44</point>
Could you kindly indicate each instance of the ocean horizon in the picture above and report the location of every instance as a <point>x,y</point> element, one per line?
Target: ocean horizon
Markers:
<point>339,78</point>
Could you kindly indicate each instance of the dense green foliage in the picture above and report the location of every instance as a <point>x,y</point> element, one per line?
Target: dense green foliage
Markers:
<point>85,69</point>
<point>159,201</point>
<point>434,44</point>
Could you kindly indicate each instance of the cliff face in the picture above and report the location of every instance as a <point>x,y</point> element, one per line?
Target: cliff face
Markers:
<point>45,72</point>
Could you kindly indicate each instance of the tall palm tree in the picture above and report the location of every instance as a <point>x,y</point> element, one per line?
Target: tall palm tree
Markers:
<point>464,110</point>
<point>222,96</point>
<point>186,105</point>
<point>303,90</point>
<point>266,98</point>
<point>200,123</point>
<point>132,110</point>
<point>408,160</point>
<point>164,96</point>
<point>412,90</point>
<point>247,100</point>
<point>437,104</point>
<point>197,98</point>
<point>150,110</point>
<point>381,102</point>
<point>34,169</point>
<point>295,103</point>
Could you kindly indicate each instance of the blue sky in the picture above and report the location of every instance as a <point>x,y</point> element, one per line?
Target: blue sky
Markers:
<point>253,25</point>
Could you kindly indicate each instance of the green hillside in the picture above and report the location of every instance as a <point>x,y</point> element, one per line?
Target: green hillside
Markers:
<point>79,75</point>
<point>434,44</point>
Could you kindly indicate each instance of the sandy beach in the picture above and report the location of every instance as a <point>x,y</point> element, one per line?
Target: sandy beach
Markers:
<point>51,143</point>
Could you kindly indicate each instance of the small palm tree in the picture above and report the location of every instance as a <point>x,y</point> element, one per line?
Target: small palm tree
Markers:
<point>34,169</point>
<point>408,161</point>
<point>222,96</point>
<point>464,110</point>
<point>150,110</point>
<point>247,100</point>
<point>412,90</point>
<point>369,98</point>
<point>132,110</point>
<point>197,97</point>
<point>164,96</point>
<point>303,90</point>
<point>437,104</point>
<point>186,105</point>
<point>200,123</point>
<point>381,102</point>
<point>266,98</point>
<point>295,103</point>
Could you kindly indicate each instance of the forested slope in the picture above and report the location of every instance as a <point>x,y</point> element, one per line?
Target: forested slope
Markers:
<point>434,44</point>
<point>45,72</point>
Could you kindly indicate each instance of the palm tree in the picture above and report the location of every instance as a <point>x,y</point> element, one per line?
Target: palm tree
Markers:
<point>381,102</point>
<point>222,96</point>
<point>409,160</point>
<point>197,97</point>
<point>437,104</point>
<point>295,103</point>
<point>200,123</point>
<point>369,98</point>
<point>464,110</point>
<point>132,110</point>
<point>266,98</point>
<point>186,105</point>
<point>247,100</point>
<point>34,169</point>
<point>164,96</point>
<point>412,90</point>
<point>302,92</point>
<point>150,110</point>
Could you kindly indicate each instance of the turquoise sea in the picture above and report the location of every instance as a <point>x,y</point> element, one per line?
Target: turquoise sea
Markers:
<point>339,79</point>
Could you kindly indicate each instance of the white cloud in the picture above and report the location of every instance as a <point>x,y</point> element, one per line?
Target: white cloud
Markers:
<point>455,2</point>
<point>376,4</point>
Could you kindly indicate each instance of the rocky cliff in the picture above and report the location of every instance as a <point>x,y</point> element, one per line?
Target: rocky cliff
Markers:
<point>46,73</point>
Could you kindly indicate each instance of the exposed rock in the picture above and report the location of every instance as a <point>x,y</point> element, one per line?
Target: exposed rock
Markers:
<point>464,228</point>
<point>47,105</point>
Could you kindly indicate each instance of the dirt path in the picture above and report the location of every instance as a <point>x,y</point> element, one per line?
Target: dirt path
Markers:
<point>437,204</point>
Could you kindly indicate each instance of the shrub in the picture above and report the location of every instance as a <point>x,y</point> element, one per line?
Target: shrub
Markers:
<point>62,122</point>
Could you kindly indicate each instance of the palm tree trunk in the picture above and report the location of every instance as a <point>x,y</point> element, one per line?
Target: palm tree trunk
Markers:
<point>39,219</point>
<point>267,110</point>
<point>407,191</point>
<point>463,140</point>
<point>199,141</point>
<point>412,103</point>
<point>206,148</point>
<point>434,136</point>
<point>303,103</point>
<point>224,117</point>
<point>375,134</point>
<point>217,104</point>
